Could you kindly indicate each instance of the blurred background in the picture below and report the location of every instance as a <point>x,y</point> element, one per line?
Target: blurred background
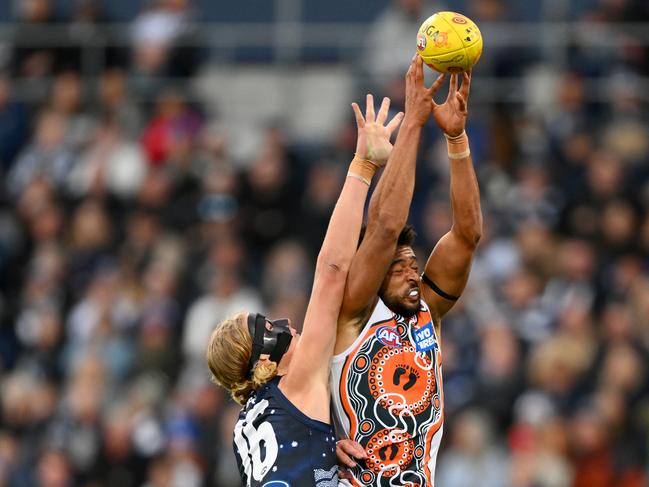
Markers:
<point>167,163</point>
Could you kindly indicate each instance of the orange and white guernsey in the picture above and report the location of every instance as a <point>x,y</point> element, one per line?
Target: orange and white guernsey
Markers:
<point>387,395</point>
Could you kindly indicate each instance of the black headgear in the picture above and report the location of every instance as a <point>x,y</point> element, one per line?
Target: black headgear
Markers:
<point>274,342</point>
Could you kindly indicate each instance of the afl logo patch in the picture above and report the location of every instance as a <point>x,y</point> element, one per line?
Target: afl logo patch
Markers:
<point>388,336</point>
<point>421,42</point>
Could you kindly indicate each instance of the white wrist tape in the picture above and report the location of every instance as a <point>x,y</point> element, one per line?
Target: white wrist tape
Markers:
<point>459,155</point>
<point>358,176</point>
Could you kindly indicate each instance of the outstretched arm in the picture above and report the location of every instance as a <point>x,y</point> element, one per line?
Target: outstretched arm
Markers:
<point>390,204</point>
<point>314,350</point>
<point>448,266</point>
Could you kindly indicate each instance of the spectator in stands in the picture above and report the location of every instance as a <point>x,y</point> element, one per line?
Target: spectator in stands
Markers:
<point>171,134</point>
<point>268,193</point>
<point>162,40</point>
<point>34,61</point>
<point>84,22</point>
<point>53,470</point>
<point>318,201</point>
<point>473,457</point>
<point>116,102</point>
<point>47,157</point>
<point>66,99</point>
<point>8,456</point>
<point>14,128</point>
<point>112,164</point>
<point>391,39</point>
<point>225,295</point>
<point>120,243</point>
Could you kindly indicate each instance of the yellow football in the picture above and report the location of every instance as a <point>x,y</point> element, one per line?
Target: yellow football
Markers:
<point>449,42</point>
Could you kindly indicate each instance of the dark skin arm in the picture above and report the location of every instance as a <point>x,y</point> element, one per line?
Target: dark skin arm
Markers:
<point>388,209</point>
<point>449,263</point>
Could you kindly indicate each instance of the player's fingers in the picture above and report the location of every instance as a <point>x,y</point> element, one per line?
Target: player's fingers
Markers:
<point>394,123</point>
<point>461,102</point>
<point>419,69</point>
<point>347,446</point>
<point>383,111</point>
<point>360,121</point>
<point>435,86</point>
<point>413,63</point>
<point>344,458</point>
<point>359,451</point>
<point>452,88</point>
<point>411,70</point>
<point>466,85</point>
<point>369,109</point>
<point>351,448</point>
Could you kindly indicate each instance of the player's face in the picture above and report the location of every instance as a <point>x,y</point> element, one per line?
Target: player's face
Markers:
<point>400,288</point>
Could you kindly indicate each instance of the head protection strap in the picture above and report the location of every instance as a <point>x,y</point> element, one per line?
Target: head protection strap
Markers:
<point>273,342</point>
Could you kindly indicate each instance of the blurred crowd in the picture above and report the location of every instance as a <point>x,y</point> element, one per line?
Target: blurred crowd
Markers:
<point>128,230</point>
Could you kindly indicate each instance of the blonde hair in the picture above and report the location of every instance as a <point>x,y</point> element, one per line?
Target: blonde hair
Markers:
<point>228,355</point>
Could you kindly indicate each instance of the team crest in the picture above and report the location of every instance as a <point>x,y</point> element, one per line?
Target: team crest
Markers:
<point>388,336</point>
<point>421,42</point>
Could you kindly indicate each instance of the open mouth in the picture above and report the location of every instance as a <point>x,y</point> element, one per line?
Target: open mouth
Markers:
<point>413,294</point>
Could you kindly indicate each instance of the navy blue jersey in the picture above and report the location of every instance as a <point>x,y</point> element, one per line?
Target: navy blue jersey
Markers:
<point>277,445</point>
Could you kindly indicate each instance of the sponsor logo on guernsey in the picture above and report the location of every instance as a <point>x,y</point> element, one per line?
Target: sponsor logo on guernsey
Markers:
<point>388,336</point>
<point>425,338</point>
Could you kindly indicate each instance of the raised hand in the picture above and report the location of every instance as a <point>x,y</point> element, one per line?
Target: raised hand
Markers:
<point>451,115</point>
<point>373,136</point>
<point>419,99</point>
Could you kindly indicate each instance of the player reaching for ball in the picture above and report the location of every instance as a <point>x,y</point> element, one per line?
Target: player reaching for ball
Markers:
<point>283,436</point>
<point>386,375</point>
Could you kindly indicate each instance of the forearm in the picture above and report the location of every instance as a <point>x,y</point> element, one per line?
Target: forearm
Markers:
<point>310,365</point>
<point>465,194</point>
<point>390,203</point>
<point>341,239</point>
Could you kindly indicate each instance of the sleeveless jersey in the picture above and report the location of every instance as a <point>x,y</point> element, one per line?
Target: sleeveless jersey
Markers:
<point>387,395</point>
<point>276,445</point>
